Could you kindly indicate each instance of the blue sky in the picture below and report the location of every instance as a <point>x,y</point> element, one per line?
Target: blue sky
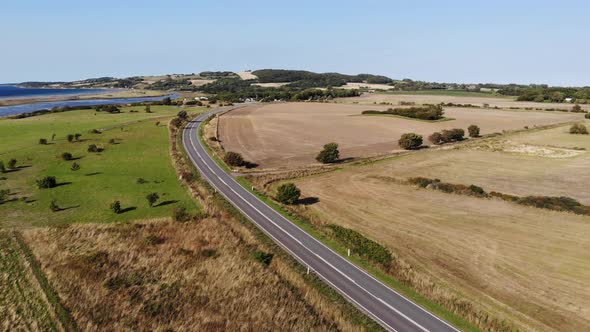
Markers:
<point>446,41</point>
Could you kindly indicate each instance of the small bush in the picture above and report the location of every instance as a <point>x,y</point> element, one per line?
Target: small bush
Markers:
<point>70,138</point>
<point>473,131</point>
<point>4,195</point>
<point>152,198</point>
<point>233,159</point>
<point>329,154</point>
<point>183,115</point>
<point>410,141</point>
<point>180,214</point>
<point>53,206</point>
<point>12,163</point>
<point>46,182</point>
<point>153,239</point>
<point>141,181</point>
<point>77,136</point>
<point>66,156</point>
<point>116,207</point>
<point>288,193</point>
<point>93,148</point>
<point>176,122</point>
<point>263,257</point>
<point>436,138</point>
<point>587,115</point>
<point>578,129</point>
<point>75,167</point>
<point>112,141</point>
<point>43,141</point>
<point>2,167</point>
<point>95,131</point>
<point>577,109</point>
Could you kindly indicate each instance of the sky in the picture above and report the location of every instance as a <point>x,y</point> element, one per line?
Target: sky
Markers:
<point>444,41</point>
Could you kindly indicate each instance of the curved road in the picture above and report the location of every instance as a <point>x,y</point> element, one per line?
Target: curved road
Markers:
<point>387,307</point>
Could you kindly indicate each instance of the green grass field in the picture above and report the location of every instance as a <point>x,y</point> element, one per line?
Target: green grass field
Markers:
<point>141,151</point>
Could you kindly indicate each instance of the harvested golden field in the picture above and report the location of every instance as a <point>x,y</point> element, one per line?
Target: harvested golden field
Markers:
<point>285,135</point>
<point>540,162</point>
<point>160,275</point>
<point>523,263</point>
<point>466,98</point>
<point>527,264</point>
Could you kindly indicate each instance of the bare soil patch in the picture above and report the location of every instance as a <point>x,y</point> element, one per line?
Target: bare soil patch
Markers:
<point>288,135</point>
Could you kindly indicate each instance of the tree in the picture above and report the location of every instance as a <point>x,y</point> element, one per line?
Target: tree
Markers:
<point>579,129</point>
<point>233,159</point>
<point>176,122</point>
<point>473,131</point>
<point>66,156</point>
<point>93,148</point>
<point>410,141</point>
<point>148,108</point>
<point>75,167</point>
<point>77,136</point>
<point>577,108</point>
<point>167,101</point>
<point>157,123</point>
<point>436,138</point>
<point>43,141</point>
<point>4,195</point>
<point>453,135</point>
<point>53,206</point>
<point>2,167</point>
<point>288,193</point>
<point>587,115</point>
<point>12,163</point>
<point>112,141</point>
<point>47,182</point>
<point>329,154</point>
<point>152,198</point>
<point>70,138</point>
<point>183,115</point>
<point>116,207</point>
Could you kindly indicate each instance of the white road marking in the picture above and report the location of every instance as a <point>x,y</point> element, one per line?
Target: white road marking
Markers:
<point>332,266</point>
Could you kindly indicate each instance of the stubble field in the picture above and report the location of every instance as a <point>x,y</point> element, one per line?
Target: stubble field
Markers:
<point>523,263</point>
<point>288,135</point>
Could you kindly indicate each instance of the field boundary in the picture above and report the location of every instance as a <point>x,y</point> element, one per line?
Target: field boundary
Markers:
<point>62,313</point>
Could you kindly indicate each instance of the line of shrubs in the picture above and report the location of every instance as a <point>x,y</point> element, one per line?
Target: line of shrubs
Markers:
<point>362,246</point>
<point>561,203</point>
<point>427,112</point>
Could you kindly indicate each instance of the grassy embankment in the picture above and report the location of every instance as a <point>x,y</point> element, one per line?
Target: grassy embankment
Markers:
<point>140,151</point>
<point>341,249</point>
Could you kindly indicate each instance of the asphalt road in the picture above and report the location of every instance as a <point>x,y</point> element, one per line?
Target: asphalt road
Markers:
<point>387,307</point>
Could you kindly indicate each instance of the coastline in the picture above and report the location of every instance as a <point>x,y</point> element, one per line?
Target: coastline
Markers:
<point>109,94</point>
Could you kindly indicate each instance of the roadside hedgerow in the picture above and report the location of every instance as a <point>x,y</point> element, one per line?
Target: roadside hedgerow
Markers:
<point>361,245</point>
